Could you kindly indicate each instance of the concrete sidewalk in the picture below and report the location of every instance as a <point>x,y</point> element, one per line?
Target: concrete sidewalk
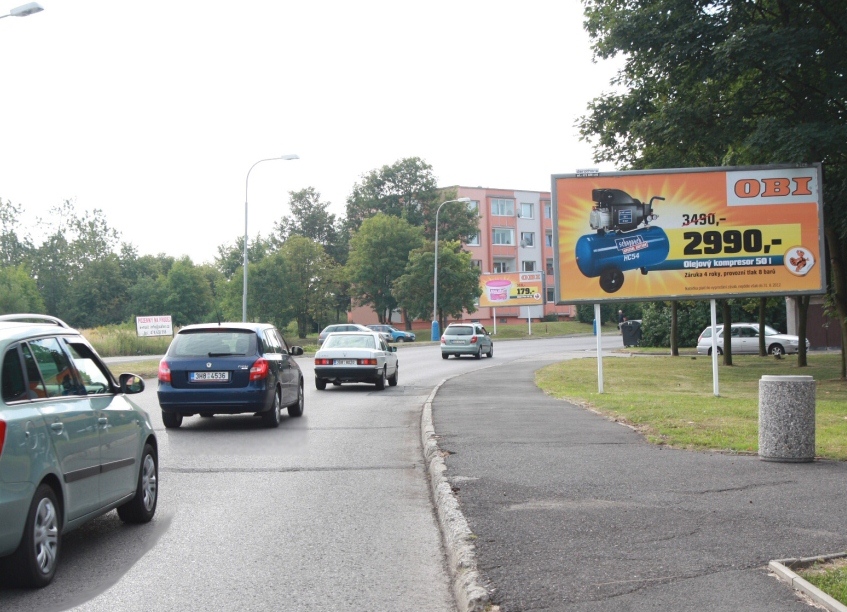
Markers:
<point>570,511</point>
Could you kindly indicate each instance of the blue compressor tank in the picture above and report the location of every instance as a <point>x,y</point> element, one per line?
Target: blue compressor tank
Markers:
<point>615,252</point>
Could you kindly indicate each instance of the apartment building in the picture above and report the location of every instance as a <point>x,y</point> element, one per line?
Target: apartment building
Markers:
<point>515,235</point>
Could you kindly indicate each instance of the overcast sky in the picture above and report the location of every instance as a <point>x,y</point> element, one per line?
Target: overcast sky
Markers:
<point>155,111</point>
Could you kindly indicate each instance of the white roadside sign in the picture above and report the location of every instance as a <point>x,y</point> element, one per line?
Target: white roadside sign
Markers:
<point>154,326</point>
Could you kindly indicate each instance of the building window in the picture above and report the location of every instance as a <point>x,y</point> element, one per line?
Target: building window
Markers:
<point>550,268</point>
<point>474,206</point>
<point>528,266</point>
<point>527,239</point>
<point>551,294</point>
<point>473,240</point>
<point>502,207</point>
<point>503,236</point>
<point>503,265</point>
<point>548,239</point>
<point>527,210</point>
<point>548,209</point>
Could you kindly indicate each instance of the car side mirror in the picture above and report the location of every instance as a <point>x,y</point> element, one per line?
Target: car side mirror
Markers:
<point>392,349</point>
<point>296,350</point>
<point>131,383</point>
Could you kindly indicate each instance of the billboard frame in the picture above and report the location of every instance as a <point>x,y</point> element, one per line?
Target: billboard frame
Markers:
<point>565,299</point>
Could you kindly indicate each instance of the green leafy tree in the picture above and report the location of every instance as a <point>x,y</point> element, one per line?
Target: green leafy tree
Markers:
<point>405,189</point>
<point>18,291</point>
<point>14,248</point>
<point>310,281</point>
<point>458,282</point>
<point>270,298</point>
<point>189,297</point>
<point>732,82</point>
<point>99,294</point>
<point>230,257</point>
<point>310,218</point>
<point>379,251</point>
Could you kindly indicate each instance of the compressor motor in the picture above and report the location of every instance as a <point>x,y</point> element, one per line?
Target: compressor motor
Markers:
<point>616,210</point>
<point>624,239</point>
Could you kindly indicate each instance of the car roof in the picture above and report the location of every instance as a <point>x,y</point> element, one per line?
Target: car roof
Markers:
<point>14,329</point>
<point>254,327</point>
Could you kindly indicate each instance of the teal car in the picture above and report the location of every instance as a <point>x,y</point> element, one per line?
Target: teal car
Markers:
<point>397,335</point>
<point>72,445</point>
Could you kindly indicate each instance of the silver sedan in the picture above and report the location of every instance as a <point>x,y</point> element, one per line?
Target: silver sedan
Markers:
<point>347,357</point>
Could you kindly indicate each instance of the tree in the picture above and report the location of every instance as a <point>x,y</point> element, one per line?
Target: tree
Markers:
<point>405,189</point>
<point>458,282</point>
<point>230,257</point>
<point>310,279</point>
<point>379,251</point>
<point>14,249</point>
<point>731,82</point>
<point>18,291</point>
<point>189,297</point>
<point>311,219</point>
<point>99,294</point>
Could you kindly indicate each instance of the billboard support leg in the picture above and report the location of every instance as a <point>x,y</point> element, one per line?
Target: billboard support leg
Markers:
<point>599,348</point>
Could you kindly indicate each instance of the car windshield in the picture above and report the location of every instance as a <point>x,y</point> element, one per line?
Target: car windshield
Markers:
<point>770,331</point>
<point>350,341</point>
<point>459,330</point>
<point>217,343</point>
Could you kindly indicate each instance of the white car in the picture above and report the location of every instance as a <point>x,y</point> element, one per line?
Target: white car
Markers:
<point>346,357</point>
<point>745,339</point>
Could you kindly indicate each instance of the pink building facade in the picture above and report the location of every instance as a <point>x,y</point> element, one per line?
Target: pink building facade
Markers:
<point>515,235</point>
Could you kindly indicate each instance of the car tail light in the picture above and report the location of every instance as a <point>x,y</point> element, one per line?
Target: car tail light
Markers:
<point>367,361</point>
<point>259,370</point>
<point>323,361</point>
<point>164,372</point>
<point>474,339</point>
<point>2,435</point>
<point>442,340</point>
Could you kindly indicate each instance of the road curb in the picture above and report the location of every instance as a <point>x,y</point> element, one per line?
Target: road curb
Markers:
<point>782,568</point>
<point>470,595</point>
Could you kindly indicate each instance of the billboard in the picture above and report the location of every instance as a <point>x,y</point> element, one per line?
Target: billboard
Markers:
<point>688,233</point>
<point>154,326</point>
<point>512,289</point>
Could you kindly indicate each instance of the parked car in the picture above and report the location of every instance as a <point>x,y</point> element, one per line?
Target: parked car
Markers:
<point>72,445</point>
<point>347,327</point>
<point>397,335</point>
<point>745,339</point>
<point>230,368</point>
<point>357,357</point>
<point>466,339</point>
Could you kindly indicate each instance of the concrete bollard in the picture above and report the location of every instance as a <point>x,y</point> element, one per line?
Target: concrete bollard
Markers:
<point>787,418</point>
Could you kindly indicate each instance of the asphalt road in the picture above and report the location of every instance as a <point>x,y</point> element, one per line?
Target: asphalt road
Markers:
<point>331,511</point>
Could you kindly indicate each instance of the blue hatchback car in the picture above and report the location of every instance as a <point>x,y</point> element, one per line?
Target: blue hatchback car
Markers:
<point>230,368</point>
<point>397,335</point>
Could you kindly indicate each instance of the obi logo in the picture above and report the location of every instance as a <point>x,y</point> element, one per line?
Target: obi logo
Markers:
<point>787,186</point>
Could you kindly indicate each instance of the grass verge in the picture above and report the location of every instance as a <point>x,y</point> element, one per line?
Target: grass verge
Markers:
<point>671,401</point>
<point>830,577</point>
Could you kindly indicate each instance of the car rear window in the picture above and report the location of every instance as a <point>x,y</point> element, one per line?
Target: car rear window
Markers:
<point>351,341</point>
<point>217,343</point>
<point>459,330</point>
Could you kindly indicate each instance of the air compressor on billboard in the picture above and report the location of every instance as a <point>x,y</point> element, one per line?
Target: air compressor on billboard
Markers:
<point>624,239</point>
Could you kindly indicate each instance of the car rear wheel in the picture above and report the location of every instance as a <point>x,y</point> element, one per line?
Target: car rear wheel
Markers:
<point>380,382</point>
<point>392,380</point>
<point>172,420</point>
<point>142,507</point>
<point>478,353</point>
<point>272,417</point>
<point>776,350</point>
<point>296,409</point>
<point>491,351</point>
<point>320,384</point>
<point>34,563</point>
<point>720,351</point>
<point>444,355</point>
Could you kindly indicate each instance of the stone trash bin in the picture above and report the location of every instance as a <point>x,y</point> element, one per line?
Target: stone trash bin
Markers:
<point>787,418</point>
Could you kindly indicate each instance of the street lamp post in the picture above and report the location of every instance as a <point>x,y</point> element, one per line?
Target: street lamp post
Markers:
<point>25,9</point>
<point>436,333</point>
<point>246,184</point>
